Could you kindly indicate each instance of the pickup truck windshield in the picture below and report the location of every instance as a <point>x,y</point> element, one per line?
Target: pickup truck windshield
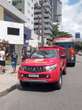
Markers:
<point>45,54</point>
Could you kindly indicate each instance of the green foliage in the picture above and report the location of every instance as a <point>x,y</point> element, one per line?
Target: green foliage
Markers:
<point>57,33</point>
<point>78,46</point>
<point>55,30</point>
<point>62,33</point>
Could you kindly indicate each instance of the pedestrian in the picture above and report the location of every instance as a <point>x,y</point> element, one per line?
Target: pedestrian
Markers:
<point>2,59</point>
<point>14,58</point>
<point>24,53</point>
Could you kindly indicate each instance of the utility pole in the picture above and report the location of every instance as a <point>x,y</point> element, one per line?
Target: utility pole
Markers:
<point>42,20</point>
<point>38,27</point>
<point>42,16</point>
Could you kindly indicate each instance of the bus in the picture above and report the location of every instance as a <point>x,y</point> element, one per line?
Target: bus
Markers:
<point>68,43</point>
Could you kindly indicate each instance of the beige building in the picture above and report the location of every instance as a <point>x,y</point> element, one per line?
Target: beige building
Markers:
<point>1,13</point>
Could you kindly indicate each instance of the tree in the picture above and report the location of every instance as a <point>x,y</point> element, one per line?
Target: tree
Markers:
<point>78,45</point>
<point>56,32</point>
<point>62,33</point>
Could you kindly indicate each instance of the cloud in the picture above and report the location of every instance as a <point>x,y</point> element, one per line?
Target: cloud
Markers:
<point>71,17</point>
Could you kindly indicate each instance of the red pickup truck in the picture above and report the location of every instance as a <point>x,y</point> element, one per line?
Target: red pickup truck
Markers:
<point>46,65</point>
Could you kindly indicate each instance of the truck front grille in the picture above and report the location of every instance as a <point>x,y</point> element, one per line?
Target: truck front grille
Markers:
<point>34,69</point>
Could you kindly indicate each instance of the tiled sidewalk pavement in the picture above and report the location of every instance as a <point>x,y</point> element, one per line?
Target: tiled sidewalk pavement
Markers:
<point>8,81</point>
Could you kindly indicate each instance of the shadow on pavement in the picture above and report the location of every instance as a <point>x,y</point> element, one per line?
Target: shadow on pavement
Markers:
<point>37,87</point>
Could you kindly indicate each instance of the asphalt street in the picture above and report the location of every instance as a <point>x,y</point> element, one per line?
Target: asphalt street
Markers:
<point>42,97</point>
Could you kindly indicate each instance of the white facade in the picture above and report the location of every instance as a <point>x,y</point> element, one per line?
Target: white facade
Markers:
<point>29,13</point>
<point>12,32</point>
<point>26,7</point>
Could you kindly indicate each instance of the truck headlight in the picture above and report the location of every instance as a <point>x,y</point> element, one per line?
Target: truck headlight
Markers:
<point>52,67</point>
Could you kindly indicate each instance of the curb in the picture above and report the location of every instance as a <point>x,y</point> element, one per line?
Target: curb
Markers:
<point>8,90</point>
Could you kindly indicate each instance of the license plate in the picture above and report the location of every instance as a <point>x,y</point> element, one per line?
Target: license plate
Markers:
<point>33,76</point>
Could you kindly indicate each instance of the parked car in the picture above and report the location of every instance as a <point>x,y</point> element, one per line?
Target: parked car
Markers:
<point>45,65</point>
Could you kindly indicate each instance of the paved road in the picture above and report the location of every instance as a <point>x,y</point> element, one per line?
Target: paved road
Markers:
<point>39,98</point>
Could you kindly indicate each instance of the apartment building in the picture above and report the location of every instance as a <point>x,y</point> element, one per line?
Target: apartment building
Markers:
<point>27,8</point>
<point>56,11</point>
<point>46,18</point>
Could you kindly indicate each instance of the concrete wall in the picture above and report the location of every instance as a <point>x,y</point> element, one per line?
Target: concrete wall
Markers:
<point>1,13</point>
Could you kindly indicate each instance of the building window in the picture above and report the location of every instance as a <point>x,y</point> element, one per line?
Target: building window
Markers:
<point>20,9</point>
<point>12,31</point>
<point>28,4</point>
<point>16,2</point>
<point>32,15</point>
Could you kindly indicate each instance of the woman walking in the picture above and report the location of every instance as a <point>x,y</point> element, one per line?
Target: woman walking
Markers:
<point>14,57</point>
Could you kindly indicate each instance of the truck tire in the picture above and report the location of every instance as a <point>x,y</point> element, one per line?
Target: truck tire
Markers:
<point>72,64</point>
<point>59,83</point>
<point>64,71</point>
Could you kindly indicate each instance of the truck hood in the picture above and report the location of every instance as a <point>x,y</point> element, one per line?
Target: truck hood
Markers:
<point>40,62</point>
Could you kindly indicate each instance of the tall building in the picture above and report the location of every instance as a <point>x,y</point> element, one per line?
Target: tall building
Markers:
<point>26,7</point>
<point>43,19</point>
<point>56,11</point>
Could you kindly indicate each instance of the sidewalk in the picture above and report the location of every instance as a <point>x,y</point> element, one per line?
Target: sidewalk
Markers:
<point>8,81</point>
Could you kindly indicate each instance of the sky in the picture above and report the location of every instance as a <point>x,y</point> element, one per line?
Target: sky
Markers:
<point>72,16</point>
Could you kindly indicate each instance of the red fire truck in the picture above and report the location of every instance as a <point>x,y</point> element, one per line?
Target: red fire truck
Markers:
<point>68,43</point>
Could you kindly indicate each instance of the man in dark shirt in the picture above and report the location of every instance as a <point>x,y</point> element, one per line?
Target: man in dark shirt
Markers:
<point>14,58</point>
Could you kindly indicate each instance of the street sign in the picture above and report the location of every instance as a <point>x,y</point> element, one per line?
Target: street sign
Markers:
<point>77,35</point>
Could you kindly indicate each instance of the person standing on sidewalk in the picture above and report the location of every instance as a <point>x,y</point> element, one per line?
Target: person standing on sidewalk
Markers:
<point>14,58</point>
<point>2,59</point>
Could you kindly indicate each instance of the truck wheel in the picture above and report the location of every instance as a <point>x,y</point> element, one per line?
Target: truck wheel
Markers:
<point>59,83</point>
<point>64,71</point>
<point>72,64</point>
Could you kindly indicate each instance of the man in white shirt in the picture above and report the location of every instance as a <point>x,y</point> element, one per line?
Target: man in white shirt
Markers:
<point>2,59</point>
